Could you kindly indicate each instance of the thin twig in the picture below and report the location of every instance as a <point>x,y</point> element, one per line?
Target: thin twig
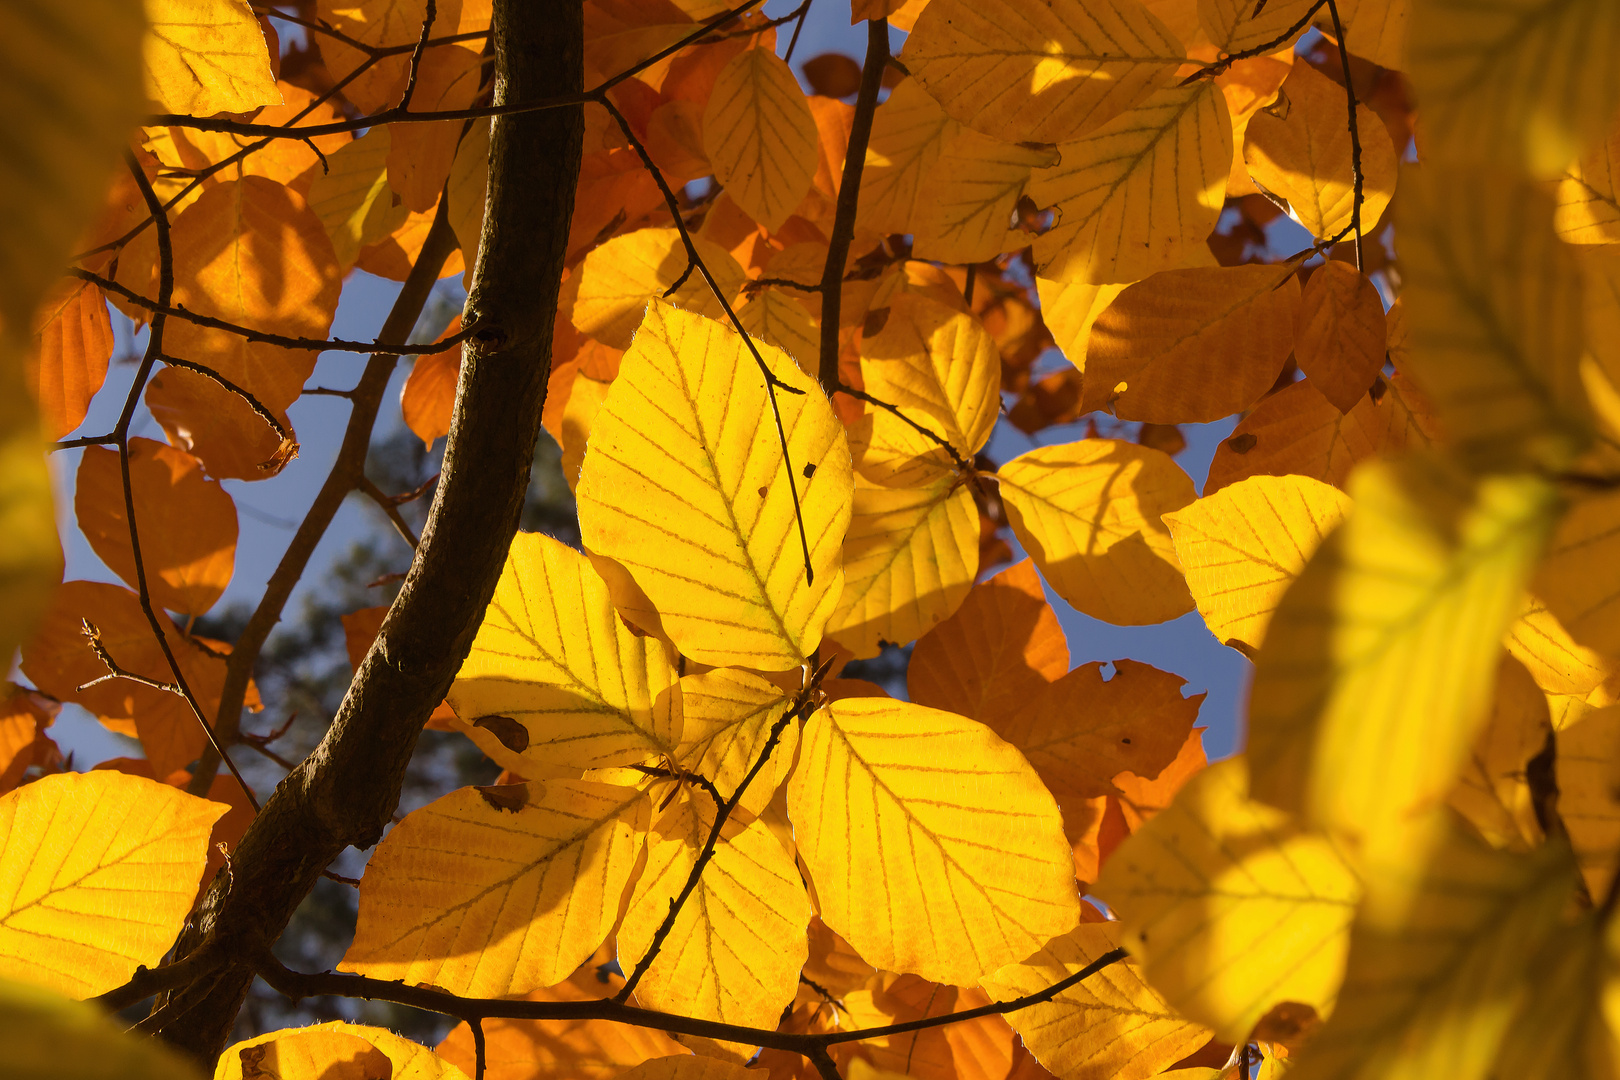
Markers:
<point>388,507</point>
<point>826,1068</point>
<point>798,28</point>
<point>849,193</point>
<point>962,464</point>
<point>1355,133</point>
<point>480,1048</point>
<point>1219,67</point>
<point>148,981</point>
<point>416,56</point>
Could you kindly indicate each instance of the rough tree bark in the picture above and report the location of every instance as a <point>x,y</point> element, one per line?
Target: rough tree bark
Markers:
<point>346,791</point>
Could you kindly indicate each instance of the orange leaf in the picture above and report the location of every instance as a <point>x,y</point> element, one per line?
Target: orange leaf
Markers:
<point>202,417</point>
<point>971,1050</point>
<point>1340,333</point>
<point>393,256</point>
<point>187,523</point>
<point>24,716</point>
<point>1002,646</point>
<point>73,340</point>
<point>420,155</point>
<point>428,397</point>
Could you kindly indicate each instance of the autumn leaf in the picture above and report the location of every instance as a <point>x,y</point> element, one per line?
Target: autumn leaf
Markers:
<point>946,888</point>
<point>51,1038</point>
<point>78,845</point>
<point>1341,333</point>
<point>352,198</point>
<point>73,341</point>
<point>1588,200</point>
<point>968,1050</point>
<point>1493,791</point>
<point>678,448</point>
<point>728,718</point>
<point>347,1050</point>
<point>760,137</point>
<point>207,57</point>
<point>1577,581</point>
<point>608,293</point>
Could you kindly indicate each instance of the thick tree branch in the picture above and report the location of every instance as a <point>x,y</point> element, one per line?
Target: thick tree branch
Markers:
<point>345,793</point>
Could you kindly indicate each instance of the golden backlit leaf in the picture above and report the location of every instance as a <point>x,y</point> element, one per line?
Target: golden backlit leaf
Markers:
<point>388,24</point>
<point>1297,430</point>
<point>1586,797</point>
<point>467,191</point>
<point>1111,1026</point>
<point>1588,197</point>
<point>1230,906</point>
<point>686,1067</point>
<point>1341,333</point>
<point>48,1037</point>
<point>771,315</point>
<point>207,56</point>
<point>920,869</point>
<point>428,398</point>
<point>760,136</point>
<point>1299,149</point>
<point>73,341</point>
<point>24,716</point>
<point>78,846</point>
<point>910,557</point>
<point>607,294</point>
<point>1141,193</point>
<point>978,1049</point>
<point>187,523</point>
<point>420,155</point>
<point>494,891</point>
<point>1525,84</point>
<point>966,198</point>
<point>203,418</point>
<point>1561,1028</point>
<point>408,1060</point>
<point>1493,791</point>
<point>1191,346</point>
<point>1379,661</point>
<point>1071,312</point>
<point>1040,72</point>
<point>555,678</point>
<point>909,131</point>
<point>1557,663</point>
<point>684,448</point>
<point>1237,25</point>
<point>313,1054</point>
<point>1089,513</point>
<point>1375,30</point>
<point>1429,984</point>
<point>1494,304</point>
<point>1578,580</point>
<point>1003,645</point>
<point>352,197</point>
<point>735,951</point>
<point>729,714</point>
<point>1242,546</point>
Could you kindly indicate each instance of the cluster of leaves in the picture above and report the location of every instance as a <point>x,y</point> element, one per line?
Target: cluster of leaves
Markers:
<point>773,403</point>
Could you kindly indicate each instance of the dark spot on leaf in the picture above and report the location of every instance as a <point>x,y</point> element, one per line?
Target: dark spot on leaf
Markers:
<point>1127,742</point>
<point>809,470</point>
<point>1242,444</point>
<point>876,319</point>
<point>1379,387</point>
<point>508,797</point>
<point>513,735</point>
<point>763,490</point>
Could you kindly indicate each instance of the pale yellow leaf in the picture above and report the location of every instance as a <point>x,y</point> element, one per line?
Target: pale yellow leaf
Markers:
<point>1379,661</point>
<point>1230,906</point>
<point>555,678</point>
<point>933,847</point>
<point>607,294</point>
<point>737,946</point>
<point>409,1060</point>
<point>312,1054</point>
<point>910,557</point>
<point>1028,71</point>
<point>1070,312</point>
<point>760,136</point>
<point>48,1037</point>
<point>1494,304</point>
<point>1243,545</point>
<point>494,891</point>
<point>685,483</point>
<point>909,131</point>
<point>1140,194</point>
<point>1110,1026</point>
<point>1525,84</point>
<point>207,56</point>
<point>1557,663</point>
<point>1090,514</point>
<point>78,847</point>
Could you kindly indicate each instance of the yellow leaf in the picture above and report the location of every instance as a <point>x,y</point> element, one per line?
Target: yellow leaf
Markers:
<point>1089,513</point>
<point>1375,30</point>
<point>1556,662</point>
<point>313,1054</point>
<point>48,1037</point>
<point>770,315</point>
<point>352,197</point>
<point>684,450</point>
<point>909,559</point>
<point>1026,71</point>
<point>729,714</point>
<point>686,1067</point>
<point>421,155</point>
<point>1081,731</point>
<point>1071,312</point>
<point>1230,906</point>
<point>1494,302</point>
<point>1525,84</point>
<point>1003,645</point>
<point>1493,791</point>
<point>966,198</point>
<point>1588,197</point>
<point>760,136</point>
<point>978,1049</point>
<point>1191,346</point>
<point>469,176</point>
<point>555,678</point>
<point>1300,149</point>
<point>494,891</point>
<point>1242,546</point>
<point>1341,335</point>
<point>919,867</point>
<point>1379,660</point>
<point>736,948</point>
<point>79,845</point>
<point>409,1060</point>
<point>1579,581</point>
<point>909,131</point>
<point>1236,25</point>
<point>207,56</point>
<point>608,293</point>
<point>1430,985</point>
<point>1141,193</point>
<point>941,370</point>
<point>1111,1026</point>
<point>386,24</point>
<point>1586,796</point>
